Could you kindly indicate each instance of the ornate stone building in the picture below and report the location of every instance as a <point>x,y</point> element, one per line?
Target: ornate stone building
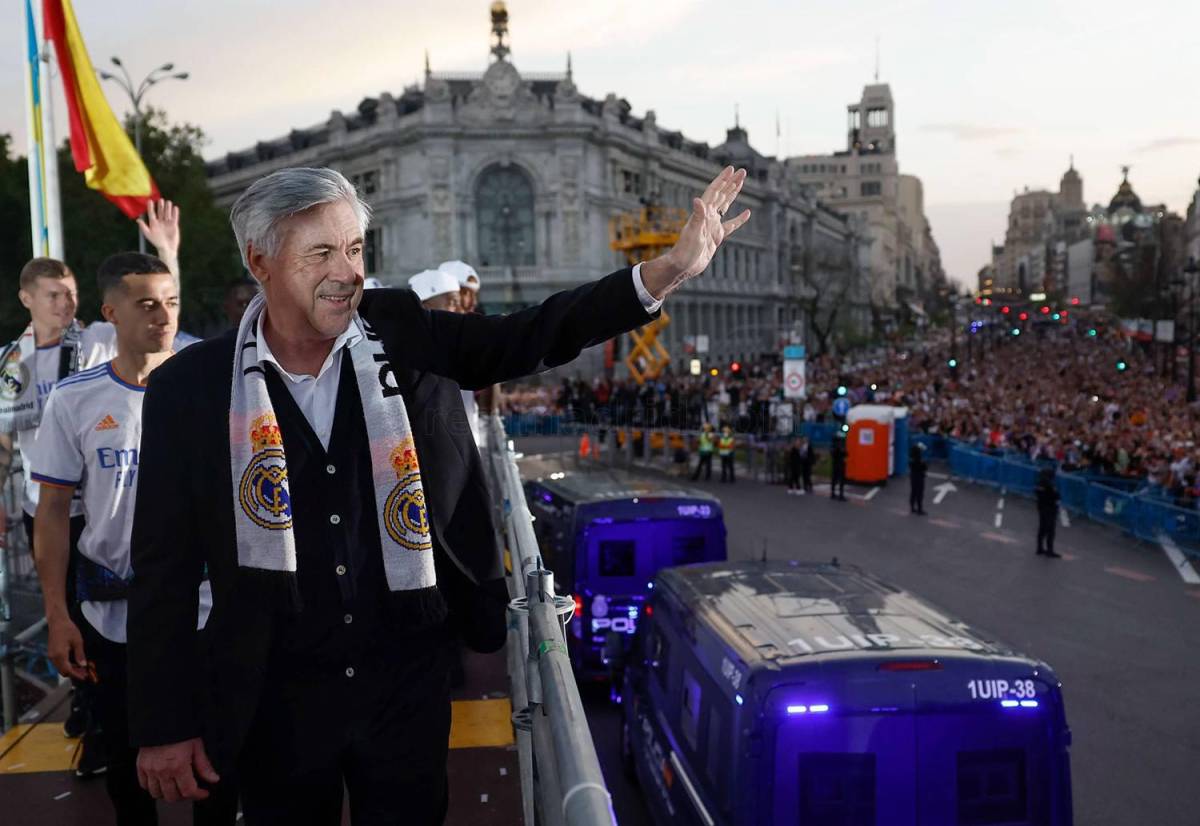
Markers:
<point>520,174</point>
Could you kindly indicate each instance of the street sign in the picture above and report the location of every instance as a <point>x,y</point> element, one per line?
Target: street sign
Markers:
<point>1164,330</point>
<point>841,407</point>
<point>694,367</point>
<point>793,351</point>
<point>795,377</point>
<point>701,344</point>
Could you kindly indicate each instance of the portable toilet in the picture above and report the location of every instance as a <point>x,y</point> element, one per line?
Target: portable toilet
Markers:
<point>869,444</point>
<point>901,440</point>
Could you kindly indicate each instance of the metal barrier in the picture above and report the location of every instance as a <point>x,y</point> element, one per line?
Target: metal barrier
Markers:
<point>1124,503</point>
<point>561,781</point>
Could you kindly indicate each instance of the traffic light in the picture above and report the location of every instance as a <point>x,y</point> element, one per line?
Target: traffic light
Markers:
<point>1015,331</point>
<point>841,391</point>
<point>952,363</point>
<point>1005,309</point>
<point>1024,316</point>
<point>1045,311</point>
<point>1121,365</point>
<point>1056,316</point>
<point>1092,332</point>
<point>735,367</point>
<point>714,372</point>
<point>1074,302</point>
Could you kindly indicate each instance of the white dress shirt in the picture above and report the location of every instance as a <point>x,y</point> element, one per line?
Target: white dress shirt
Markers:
<point>316,396</point>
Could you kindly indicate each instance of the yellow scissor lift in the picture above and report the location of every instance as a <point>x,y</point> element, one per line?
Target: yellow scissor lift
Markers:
<point>641,236</point>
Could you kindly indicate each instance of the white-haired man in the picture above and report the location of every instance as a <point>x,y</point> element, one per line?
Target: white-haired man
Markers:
<point>339,511</point>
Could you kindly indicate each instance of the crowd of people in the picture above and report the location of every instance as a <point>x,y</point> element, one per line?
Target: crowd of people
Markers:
<point>1081,395</point>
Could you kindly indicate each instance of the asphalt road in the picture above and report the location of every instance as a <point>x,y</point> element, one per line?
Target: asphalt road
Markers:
<point>1114,618</point>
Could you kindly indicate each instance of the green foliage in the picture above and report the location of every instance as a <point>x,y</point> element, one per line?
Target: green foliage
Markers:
<point>93,228</point>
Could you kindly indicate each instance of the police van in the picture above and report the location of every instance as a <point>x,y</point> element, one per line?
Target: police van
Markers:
<point>605,534</point>
<point>802,693</point>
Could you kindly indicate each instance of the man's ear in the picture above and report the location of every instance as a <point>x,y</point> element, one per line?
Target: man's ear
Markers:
<point>257,262</point>
<point>108,314</point>
<point>26,299</point>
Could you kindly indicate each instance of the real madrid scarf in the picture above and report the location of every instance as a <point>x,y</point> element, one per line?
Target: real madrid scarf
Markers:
<point>261,498</point>
<point>19,405</point>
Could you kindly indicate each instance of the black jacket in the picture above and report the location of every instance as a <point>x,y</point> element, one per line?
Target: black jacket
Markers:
<point>1047,497</point>
<point>180,688</point>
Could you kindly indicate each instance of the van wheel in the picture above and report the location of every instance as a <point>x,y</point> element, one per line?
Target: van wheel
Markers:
<point>627,764</point>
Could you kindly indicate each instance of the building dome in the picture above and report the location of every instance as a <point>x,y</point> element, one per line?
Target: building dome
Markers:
<point>1125,198</point>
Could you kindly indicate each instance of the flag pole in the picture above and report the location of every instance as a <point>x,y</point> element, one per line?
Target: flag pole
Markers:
<point>39,234</point>
<point>52,194</point>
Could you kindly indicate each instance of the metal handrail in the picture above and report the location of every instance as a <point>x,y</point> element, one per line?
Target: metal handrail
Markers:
<point>561,780</point>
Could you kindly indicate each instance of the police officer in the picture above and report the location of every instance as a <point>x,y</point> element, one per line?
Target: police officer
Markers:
<point>1047,505</point>
<point>916,469</point>
<point>705,451</point>
<point>725,451</point>
<point>807,459</point>
<point>795,464</point>
<point>837,481</point>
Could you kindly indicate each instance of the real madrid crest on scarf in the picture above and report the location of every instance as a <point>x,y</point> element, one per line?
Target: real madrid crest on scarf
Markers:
<point>404,511</point>
<point>263,492</point>
<point>262,499</point>
<point>20,406</point>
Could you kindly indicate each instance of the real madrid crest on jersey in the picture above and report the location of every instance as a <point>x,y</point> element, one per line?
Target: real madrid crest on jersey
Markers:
<point>263,492</point>
<point>405,517</point>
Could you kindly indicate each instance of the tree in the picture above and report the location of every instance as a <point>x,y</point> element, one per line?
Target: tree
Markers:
<point>93,228</point>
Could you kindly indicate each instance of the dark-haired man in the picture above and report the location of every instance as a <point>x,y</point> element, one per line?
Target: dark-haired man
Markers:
<point>88,442</point>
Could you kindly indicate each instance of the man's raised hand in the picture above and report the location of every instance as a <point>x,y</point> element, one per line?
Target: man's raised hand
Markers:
<point>160,226</point>
<point>706,229</point>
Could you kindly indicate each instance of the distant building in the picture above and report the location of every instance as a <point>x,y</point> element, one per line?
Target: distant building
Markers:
<point>521,174</point>
<point>864,181</point>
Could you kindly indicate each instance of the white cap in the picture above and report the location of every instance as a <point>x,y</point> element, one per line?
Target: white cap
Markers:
<point>464,272</point>
<point>372,283</point>
<point>428,284</point>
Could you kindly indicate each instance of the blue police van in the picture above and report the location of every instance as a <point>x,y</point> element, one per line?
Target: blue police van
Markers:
<point>605,534</point>
<point>802,693</point>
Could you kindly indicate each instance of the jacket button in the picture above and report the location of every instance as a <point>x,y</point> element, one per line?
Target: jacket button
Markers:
<point>349,618</point>
<point>349,672</point>
<point>335,520</point>
<point>330,469</point>
<point>341,570</point>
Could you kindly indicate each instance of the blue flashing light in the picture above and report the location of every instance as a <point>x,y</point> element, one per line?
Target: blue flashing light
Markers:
<point>1029,704</point>
<point>738,698</point>
<point>650,586</point>
<point>547,497</point>
<point>1009,703</point>
<point>818,708</point>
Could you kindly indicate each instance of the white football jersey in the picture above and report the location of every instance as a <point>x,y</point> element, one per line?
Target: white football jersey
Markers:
<point>90,435</point>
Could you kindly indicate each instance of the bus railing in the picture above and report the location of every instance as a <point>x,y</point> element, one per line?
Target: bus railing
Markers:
<point>561,780</point>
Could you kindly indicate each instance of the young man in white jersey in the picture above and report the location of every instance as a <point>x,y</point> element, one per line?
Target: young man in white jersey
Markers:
<point>56,345</point>
<point>89,440</point>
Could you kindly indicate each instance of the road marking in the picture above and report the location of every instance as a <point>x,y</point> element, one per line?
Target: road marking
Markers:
<point>941,490</point>
<point>61,796</point>
<point>944,523</point>
<point>1067,556</point>
<point>1062,517</point>
<point>999,519</point>
<point>998,537</point>
<point>871,494</point>
<point>935,475</point>
<point>1136,576</point>
<point>1181,563</point>
<point>1000,504</point>
<point>15,767</point>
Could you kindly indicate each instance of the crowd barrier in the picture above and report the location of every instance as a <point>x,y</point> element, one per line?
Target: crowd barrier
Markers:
<point>1117,501</point>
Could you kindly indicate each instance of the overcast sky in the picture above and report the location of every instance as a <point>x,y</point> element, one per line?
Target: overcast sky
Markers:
<point>990,96</point>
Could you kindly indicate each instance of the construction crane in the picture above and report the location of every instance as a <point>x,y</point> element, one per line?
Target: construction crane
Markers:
<point>640,236</point>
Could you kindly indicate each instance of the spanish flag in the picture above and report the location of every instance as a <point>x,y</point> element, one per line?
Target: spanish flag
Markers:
<point>99,145</point>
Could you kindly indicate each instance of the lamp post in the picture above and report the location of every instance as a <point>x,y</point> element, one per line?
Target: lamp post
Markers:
<point>1192,269</point>
<point>136,93</point>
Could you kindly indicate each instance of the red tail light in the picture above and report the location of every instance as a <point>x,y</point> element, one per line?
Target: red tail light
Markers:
<point>578,605</point>
<point>911,665</point>
<point>649,610</point>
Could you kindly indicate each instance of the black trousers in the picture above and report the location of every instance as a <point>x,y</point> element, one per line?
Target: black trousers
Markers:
<point>806,472</point>
<point>793,479</point>
<point>133,805</point>
<point>916,496</point>
<point>837,484</point>
<point>382,734</point>
<point>727,468</point>
<point>704,464</point>
<point>1045,534</point>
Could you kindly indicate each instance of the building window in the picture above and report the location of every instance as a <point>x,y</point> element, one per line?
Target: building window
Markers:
<point>372,252</point>
<point>366,183</point>
<point>631,182</point>
<point>871,188</point>
<point>504,216</point>
<point>877,118</point>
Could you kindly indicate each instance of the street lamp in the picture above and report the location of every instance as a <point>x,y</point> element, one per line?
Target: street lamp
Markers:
<point>136,93</point>
<point>1192,269</point>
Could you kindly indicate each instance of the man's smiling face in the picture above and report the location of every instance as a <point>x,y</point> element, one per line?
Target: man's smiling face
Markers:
<point>313,284</point>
